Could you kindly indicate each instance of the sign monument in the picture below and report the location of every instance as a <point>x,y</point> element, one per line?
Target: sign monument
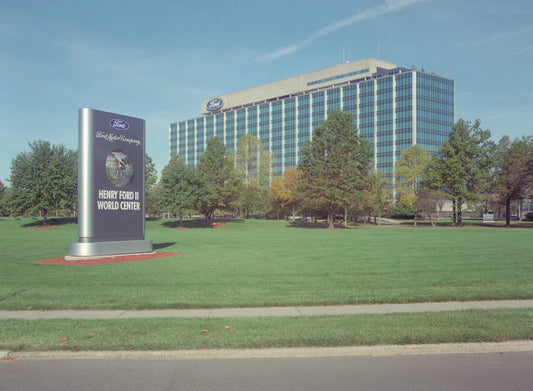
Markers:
<point>110,185</point>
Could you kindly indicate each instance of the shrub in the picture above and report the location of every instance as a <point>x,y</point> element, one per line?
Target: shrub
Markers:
<point>402,211</point>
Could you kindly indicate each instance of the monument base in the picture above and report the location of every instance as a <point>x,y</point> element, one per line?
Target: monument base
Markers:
<point>97,249</point>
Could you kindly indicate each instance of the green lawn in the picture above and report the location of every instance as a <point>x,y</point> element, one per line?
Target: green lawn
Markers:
<point>240,333</point>
<point>269,263</point>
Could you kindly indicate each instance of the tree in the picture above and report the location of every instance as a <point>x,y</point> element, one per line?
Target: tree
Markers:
<point>43,179</point>
<point>283,193</point>
<point>253,162</point>
<point>223,185</point>
<point>379,193</point>
<point>409,171</point>
<point>335,165</point>
<point>152,200</point>
<point>254,165</point>
<point>150,173</point>
<point>514,171</point>
<point>181,186</point>
<point>463,166</point>
<point>3,206</point>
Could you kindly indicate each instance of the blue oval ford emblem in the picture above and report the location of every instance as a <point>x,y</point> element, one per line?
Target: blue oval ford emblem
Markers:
<point>119,124</point>
<point>214,104</point>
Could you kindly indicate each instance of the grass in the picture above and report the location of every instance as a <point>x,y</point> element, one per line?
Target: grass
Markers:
<point>269,263</point>
<point>240,333</point>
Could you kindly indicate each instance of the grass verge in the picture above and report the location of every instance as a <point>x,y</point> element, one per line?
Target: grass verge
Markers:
<point>241,333</point>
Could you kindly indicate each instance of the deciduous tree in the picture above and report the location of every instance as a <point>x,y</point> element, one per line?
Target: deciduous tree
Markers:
<point>283,192</point>
<point>150,173</point>
<point>514,171</point>
<point>463,165</point>
<point>409,171</point>
<point>253,162</point>
<point>181,187</point>
<point>43,179</point>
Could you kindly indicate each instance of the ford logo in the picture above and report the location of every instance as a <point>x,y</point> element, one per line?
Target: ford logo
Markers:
<point>215,104</point>
<point>119,124</point>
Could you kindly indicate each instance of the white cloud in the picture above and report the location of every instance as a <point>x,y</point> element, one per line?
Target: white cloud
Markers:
<point>513,54</point>
<point>370,13</point>
<point>488,40</point>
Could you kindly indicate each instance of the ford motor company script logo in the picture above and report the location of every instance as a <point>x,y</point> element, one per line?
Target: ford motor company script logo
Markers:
<point>119,124</point>
<point>214,104</point>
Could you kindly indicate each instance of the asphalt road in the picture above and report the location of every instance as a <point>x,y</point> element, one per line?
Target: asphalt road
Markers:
<point>483,372</point>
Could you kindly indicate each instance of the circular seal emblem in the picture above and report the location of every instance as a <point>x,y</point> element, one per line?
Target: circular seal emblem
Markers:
<point>119,168</point>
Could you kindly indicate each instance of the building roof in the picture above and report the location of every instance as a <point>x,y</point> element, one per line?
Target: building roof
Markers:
<point>327,77</point>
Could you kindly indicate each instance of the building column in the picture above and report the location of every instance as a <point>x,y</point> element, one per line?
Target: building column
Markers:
<point>414,107</point>
<point>394,132</point>
<point>375,124</point>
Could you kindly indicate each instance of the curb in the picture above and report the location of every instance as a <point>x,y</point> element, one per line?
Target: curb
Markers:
<point>369,351</point>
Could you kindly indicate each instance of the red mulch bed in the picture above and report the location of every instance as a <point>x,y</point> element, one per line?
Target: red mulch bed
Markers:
<point>105,260</point>
<point>216,225</point>
<point>44,226</point>
<point>180,228</point>
<point>332,228</point>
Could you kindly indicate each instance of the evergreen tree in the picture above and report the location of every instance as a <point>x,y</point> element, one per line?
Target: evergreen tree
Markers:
<point>335,166</point>
<point>3,203</point>
<point>224,187</point>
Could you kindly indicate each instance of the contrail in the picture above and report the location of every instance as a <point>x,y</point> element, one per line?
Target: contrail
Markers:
<point>385,8</point>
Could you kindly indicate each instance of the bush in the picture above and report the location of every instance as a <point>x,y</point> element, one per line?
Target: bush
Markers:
<point>528,216</point>
<point>402,211</point>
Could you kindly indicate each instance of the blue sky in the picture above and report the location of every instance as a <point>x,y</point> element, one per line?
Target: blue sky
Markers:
<point>158,59</point>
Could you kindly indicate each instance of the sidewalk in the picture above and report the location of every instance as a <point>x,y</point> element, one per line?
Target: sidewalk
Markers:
<point>268,311</point>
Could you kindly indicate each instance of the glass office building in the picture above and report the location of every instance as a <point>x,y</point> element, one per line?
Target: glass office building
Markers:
<point>393,107</point>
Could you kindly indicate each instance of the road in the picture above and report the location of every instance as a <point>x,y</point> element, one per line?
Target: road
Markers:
<point>483,372</point>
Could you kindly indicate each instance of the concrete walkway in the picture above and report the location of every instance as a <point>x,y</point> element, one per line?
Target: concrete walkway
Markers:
<point>269,311</point>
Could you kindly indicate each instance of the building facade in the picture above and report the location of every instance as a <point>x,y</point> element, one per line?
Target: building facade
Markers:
<point>393,107</point>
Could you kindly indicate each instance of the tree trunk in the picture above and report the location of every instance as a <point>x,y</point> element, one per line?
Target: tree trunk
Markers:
<point>45,215</point>
<point>346,217</point>
<point>508,212</point>
<point>331,218</point>
<point>454,215</point>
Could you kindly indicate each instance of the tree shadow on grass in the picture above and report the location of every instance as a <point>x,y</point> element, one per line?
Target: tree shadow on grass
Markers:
<point>36,222</point>
<point>317,225</point>
<point>199,223</point>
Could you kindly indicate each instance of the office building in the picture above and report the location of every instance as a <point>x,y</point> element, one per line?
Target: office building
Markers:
<point>393,107</point>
